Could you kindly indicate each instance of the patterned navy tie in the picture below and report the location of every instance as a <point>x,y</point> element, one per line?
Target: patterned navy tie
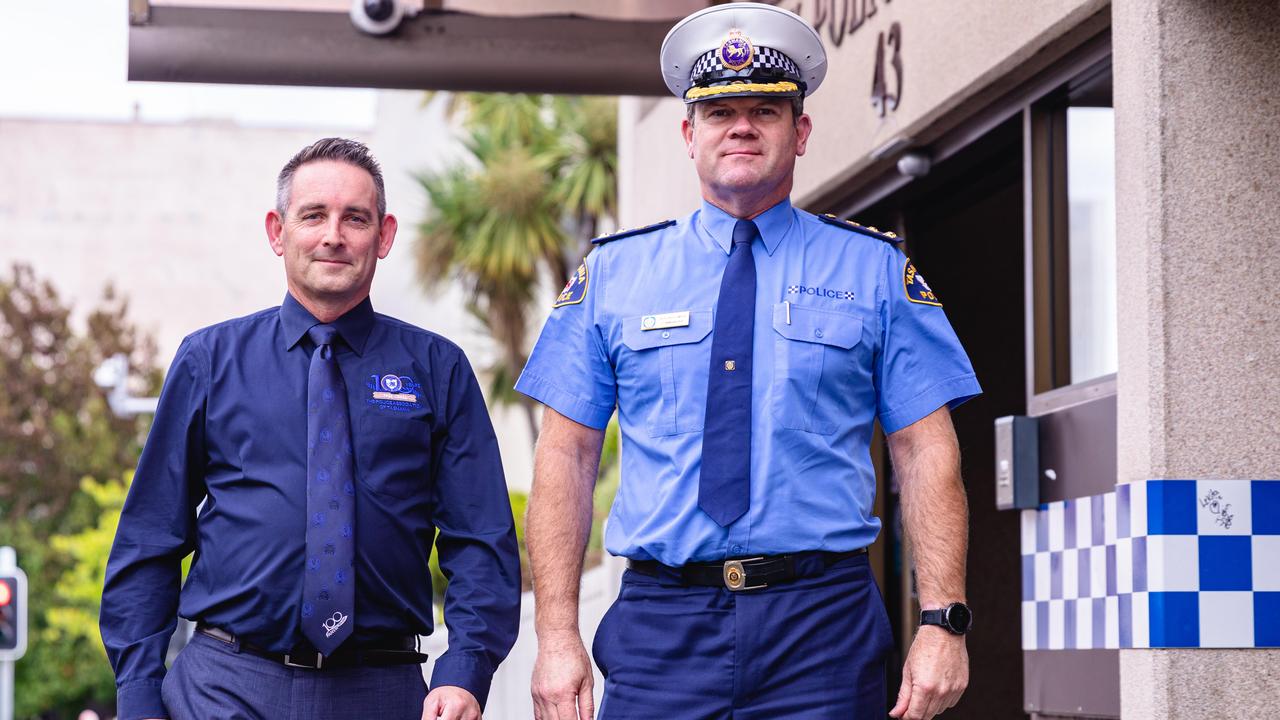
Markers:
<point>328,585</point>
<point>724,492</point>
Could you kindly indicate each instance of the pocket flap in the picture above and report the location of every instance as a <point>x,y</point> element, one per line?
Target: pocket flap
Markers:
<point>638,339</point>
<point>817,325</point>
<point>392,426</point>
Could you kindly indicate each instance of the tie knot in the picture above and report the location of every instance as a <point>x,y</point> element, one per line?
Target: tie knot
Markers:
<point>744,232</point>
<point>322,334</point>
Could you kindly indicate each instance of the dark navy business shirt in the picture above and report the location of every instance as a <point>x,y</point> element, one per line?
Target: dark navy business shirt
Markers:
<point>230,431</point>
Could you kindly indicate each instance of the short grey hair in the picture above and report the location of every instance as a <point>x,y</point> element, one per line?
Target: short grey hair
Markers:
<point>352,152</point>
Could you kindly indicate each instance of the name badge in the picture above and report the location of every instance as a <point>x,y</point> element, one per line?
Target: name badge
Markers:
<point>665,320</point>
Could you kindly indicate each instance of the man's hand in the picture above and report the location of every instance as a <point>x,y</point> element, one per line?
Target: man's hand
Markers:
<point>935,675</point>
<point>562,681</point>
<point>451,703</point>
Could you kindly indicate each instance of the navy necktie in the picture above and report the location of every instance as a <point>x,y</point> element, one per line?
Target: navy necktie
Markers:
<point>724,491</point>
<point>328,585</point>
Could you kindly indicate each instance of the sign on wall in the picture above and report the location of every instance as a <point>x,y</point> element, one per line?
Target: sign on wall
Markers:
<point>836,20</point>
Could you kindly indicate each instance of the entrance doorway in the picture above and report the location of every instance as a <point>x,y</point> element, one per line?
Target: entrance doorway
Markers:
<point>963,224</point>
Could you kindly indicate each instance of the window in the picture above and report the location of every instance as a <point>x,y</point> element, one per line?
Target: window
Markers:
<point>1071,195</point>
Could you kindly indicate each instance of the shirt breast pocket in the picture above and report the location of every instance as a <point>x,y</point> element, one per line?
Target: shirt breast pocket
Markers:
<point>668,370</point>
<point>814,365</point>
<point>395,456</point>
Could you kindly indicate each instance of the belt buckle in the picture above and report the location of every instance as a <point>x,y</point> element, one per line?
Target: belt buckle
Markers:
<point>735,575</point>
<point>289,662</point>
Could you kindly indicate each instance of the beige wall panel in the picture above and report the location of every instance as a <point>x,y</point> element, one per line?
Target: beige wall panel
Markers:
<point>1199,684</point>
<point>656,179</point>
<point>950,51</point>
<point>1197,147</point>
<point>1196,87</point>
<point>1141,417</point>
<point>172,214</point>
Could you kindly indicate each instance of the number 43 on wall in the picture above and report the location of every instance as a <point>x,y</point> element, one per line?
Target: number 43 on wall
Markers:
<point>881,99</point>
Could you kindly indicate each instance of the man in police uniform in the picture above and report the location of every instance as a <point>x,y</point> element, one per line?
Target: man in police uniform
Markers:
<point>307,454</point>
<point>749,348</point>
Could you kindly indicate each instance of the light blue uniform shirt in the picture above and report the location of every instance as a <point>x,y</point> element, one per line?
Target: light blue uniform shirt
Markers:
<point>845,332</point>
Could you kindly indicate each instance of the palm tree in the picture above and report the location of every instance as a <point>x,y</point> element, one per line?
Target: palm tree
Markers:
<point>541,177</point>
<point>588,184</point>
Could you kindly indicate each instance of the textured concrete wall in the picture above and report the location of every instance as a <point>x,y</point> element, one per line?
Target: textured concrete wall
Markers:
<point>1199,684</point>
<point>1197,147</point>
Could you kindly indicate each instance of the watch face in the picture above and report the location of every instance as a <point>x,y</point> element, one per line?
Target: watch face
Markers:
<point>959,618</point>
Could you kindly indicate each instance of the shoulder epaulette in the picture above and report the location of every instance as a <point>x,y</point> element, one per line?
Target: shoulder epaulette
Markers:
<point>855,227</point>
<point>619,234</point>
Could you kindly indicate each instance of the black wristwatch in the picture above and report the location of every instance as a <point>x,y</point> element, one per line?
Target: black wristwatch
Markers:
<point>955,618</point>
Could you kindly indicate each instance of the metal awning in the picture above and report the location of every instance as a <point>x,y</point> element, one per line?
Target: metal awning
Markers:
<point>556,46</point>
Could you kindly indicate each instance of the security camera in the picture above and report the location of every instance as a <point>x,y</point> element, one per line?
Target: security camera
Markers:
<point>377,17</point>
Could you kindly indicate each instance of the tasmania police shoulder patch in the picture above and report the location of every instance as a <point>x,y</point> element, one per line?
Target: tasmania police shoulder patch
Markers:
<point>619,234</point>
<point>918,291</point>
<point>576,289</point>
<point>855,227</point>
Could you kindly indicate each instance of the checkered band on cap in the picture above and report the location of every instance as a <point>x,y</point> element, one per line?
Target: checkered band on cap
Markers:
<point>763,58</point>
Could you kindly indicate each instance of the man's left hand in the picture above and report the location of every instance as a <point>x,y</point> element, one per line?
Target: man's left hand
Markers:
<point>449,702</point>
<point>935,675</point>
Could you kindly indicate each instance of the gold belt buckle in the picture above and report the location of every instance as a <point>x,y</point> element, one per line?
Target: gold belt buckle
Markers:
<point>735,576</point>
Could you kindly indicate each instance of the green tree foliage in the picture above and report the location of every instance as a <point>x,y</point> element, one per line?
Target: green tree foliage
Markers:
<point>55,426</point>
<point>55,431</point>
<point>606,488</point>
<point>541,175</point>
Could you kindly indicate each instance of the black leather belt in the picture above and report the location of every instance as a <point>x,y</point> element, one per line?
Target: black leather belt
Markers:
<point>754,573</point>
<point>392,651</point>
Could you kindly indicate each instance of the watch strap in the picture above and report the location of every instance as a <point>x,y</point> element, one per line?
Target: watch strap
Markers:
<point>942,618</point>
<point>934,617</point>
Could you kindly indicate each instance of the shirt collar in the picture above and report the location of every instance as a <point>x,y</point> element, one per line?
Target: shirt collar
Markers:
<point>773,225</point>
<point>354,326</point>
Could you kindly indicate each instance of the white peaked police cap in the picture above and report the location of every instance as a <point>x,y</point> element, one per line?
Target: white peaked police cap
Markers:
<point>742,50</point>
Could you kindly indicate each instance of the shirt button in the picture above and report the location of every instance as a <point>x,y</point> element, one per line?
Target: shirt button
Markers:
<point>817,333</point>
<point>665,334</point>
<point>736,549</point>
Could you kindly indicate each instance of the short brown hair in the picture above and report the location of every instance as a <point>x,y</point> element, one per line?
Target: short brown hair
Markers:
<point>352,152</point>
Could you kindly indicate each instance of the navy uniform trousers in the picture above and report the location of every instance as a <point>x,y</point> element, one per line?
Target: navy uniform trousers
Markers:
<point>813,648</point>
<point>213,680</point>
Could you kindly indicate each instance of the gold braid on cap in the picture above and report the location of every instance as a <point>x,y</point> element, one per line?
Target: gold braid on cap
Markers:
<point>785,86</point>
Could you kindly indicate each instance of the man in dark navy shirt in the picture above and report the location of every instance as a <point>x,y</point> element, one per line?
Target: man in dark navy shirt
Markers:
<point>307,455</point>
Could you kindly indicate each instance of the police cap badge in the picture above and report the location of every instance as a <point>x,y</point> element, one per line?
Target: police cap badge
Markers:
<point>742,49</point>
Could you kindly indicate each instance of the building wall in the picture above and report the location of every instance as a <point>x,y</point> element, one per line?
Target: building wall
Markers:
<point>1196,147</point>
<point>951,53</point>
<point>172,215</point>
<point>1199,381</point>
